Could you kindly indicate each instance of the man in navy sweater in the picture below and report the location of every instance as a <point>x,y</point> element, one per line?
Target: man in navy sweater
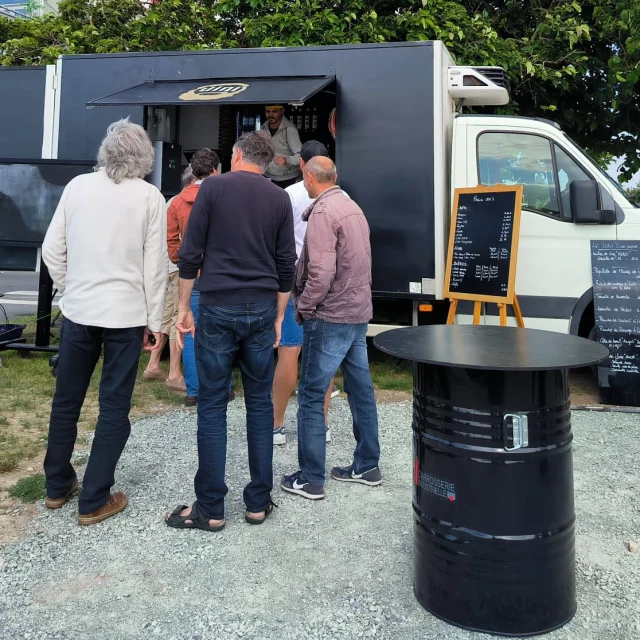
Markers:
<point>240,237</point>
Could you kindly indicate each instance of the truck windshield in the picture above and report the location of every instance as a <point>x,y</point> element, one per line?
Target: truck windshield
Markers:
<point>611,181</point>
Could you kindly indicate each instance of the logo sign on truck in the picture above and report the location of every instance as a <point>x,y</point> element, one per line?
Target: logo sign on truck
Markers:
<point>215,91</point>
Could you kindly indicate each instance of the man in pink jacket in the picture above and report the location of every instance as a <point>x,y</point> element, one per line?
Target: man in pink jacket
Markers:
<point>332,296</point>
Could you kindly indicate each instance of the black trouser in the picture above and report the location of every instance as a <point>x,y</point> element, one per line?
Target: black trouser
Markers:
<point>80,348</point>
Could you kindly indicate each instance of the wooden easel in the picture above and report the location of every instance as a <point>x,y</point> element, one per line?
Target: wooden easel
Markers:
<point>477,309</point>
<point>473,246</point>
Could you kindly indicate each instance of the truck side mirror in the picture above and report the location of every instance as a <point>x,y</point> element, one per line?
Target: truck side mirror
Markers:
<point>583,195</point>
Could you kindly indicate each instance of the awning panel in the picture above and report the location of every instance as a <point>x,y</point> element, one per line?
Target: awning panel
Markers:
<point>229,91</point>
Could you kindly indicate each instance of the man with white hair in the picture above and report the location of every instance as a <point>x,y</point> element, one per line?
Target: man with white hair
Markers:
<point>106,253</point>
<point>332,298</point>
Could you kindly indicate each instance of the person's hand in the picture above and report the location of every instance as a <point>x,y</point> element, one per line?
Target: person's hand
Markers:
<point>277,327</point>
<point>151,340</point>
<point>280,160</point>
<point>184,325</point>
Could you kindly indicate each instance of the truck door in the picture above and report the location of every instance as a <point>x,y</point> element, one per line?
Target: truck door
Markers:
<point>554,256</point>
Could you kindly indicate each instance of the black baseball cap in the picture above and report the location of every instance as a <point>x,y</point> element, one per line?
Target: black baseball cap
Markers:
<point>312,148</point>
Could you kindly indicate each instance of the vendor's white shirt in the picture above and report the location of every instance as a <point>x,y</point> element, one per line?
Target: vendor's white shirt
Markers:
<point>300,202</point>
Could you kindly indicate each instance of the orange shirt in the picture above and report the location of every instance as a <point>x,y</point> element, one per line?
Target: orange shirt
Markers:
<point>177,218</point>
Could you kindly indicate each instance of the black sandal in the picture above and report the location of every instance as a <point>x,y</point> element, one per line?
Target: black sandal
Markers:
<point>267,512</point>
<point>197,520</point>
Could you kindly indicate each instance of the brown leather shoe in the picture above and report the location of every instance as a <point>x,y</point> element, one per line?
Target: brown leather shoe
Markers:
<point>58,503</point>
<point>190,401</point>
<point>116,503</point>
<point>176,385</point>
<point>152,375</point>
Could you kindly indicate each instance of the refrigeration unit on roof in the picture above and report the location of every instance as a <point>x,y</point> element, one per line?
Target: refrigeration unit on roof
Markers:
<point>478,86</point>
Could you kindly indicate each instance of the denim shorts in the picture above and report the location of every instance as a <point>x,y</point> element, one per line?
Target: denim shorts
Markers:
<point>291,332</point>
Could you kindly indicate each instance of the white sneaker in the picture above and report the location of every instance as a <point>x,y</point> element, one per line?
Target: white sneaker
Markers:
<point>328,436</point>
<point>279,436</point>
<point>335,392</point>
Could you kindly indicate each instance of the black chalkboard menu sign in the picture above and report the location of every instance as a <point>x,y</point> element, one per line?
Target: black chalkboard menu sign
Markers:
<point>483,244</point>
<point>615,268</point>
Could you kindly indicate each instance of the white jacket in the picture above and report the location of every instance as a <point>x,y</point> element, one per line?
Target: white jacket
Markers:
<point>106,250</point>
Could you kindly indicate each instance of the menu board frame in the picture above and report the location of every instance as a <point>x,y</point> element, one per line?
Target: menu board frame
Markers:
<point>509,298</point>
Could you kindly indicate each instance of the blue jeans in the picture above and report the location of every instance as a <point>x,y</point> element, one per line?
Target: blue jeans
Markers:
<point>326,347</point>
<point>189,354</point>
<point>80,348</point>
<point>222,333</point>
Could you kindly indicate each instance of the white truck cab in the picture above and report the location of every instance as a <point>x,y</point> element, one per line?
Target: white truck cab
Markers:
<point>568,200</point>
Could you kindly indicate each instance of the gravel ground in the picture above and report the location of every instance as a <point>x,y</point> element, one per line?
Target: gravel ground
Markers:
<point>340,568</point>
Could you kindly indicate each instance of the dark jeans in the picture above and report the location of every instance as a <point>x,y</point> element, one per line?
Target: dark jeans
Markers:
<point>80,348</point>
<point>247,331</point>
<point>326,347</point>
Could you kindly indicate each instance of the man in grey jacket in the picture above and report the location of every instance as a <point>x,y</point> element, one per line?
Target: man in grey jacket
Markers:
<point>285,168</point>
<point>332,296</point>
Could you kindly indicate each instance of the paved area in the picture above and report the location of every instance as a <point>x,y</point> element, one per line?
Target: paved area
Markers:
<point>340,568</point>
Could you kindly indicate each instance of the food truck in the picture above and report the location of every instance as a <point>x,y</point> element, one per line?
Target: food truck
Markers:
<point>393,117</point>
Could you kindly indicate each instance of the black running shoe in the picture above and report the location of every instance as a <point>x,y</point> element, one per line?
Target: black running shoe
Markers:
<point>371,478</point>
<point>292,485</point>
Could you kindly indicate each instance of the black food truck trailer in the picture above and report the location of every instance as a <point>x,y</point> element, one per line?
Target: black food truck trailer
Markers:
<point>389,114</point>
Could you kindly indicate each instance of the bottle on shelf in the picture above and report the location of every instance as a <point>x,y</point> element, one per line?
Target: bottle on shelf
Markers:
<point>251,121</point>
<point>307,120</point>
<point>258,126</point>
<point>299,119</point>
<point>314,120</point>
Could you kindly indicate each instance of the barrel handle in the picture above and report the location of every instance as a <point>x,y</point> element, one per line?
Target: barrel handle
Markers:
<point>519,425</point>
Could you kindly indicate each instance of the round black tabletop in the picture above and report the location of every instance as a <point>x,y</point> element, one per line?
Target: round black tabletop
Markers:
<point>490,347</point>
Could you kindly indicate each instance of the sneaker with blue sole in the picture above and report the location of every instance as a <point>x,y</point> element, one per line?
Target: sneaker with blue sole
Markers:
<point>279,436</point>
<point>371,478</point>
<point>292,484</point>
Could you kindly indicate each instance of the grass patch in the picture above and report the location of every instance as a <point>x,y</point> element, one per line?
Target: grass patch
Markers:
<point>26,390</point>
<point>29,489</point>
<point>16,445</point>
<point>27,386</point>
<point>390,376</point>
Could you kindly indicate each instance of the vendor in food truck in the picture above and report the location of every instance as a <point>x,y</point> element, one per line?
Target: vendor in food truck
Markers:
<point>285,168</point>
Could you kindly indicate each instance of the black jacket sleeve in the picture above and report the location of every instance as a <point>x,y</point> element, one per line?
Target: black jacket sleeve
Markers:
<point>286,249</point>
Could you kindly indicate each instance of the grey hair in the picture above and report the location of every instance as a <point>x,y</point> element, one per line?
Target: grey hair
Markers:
<point>187,177</point>
<point>322,169</point>
<point>126,151</point>
<point>257,149</point>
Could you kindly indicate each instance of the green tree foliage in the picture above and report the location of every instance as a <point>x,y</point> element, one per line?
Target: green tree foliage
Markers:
<point>634,194</point>
<point>577,62</point>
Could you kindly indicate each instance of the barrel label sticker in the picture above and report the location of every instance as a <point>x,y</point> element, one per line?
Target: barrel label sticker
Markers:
<point>436,486</point>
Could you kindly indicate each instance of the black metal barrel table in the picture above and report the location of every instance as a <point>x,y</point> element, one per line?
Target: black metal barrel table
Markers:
<point>492,475</point>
